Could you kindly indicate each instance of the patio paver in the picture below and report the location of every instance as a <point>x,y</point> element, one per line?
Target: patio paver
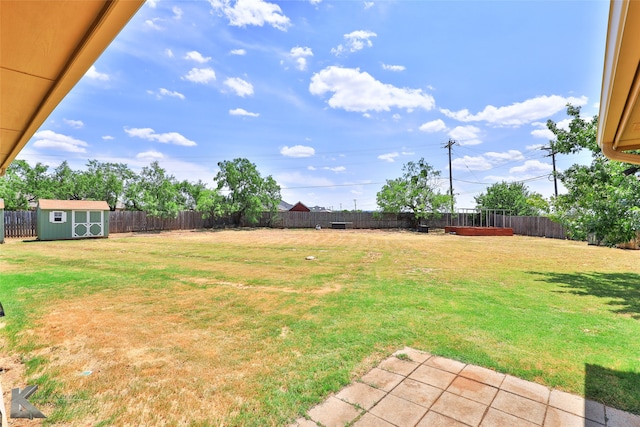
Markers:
<point>421,390</point>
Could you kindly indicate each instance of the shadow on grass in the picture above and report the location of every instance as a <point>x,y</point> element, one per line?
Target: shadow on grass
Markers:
<point>615,389</point>
<point>622,288</point>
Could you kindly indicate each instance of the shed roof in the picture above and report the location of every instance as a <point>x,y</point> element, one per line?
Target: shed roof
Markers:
<point>73,205</point>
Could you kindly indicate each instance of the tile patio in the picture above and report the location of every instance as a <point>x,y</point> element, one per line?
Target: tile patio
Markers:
<point>430,391</point>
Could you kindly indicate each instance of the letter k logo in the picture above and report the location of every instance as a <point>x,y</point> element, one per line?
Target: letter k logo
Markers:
<point>20,406</point>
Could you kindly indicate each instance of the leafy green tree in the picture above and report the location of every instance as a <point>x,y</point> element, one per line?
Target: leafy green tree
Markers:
<point>416,191</point>
<point>65,183</point>
<point>514,197</point>
<point>36,181</point>
<point>601,198</point>
<point>12,190</point>
<point>189,193</point>
<point>211,204</point>
<point>154,192</point>
<point>106,181</point>
<point>247,193</point>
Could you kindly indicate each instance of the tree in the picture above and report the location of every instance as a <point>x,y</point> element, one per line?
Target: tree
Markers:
<point>601,198</point>
<point>211,204</point>
<point>416,191</point>
<point>66,184</point>
<point>154,192</point>
<point>514,197</point>
<point>106,181</point>
<point>189,193</point>
<point>36,182</point>
<point>12,190</point>
<point>247,193</point>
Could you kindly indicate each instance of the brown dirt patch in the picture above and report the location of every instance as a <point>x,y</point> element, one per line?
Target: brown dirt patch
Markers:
<point>158,350</point>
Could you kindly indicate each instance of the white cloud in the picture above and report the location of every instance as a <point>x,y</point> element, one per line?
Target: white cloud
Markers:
<point>389,157</point>
<point>534,147</point>
<point>197,56</point>
<point>165,138</point>
<point>336,169</point>
<point>393,67</point>
<point>433,126</point>
<point>518,113</point>
<point>353,90</point>
<point>168,52</point>
<point>241,13</point>
<point>200,75</point>
<point>368,4</point>
<point>76,124</point>
<point>152,3</point>
<point>108,138</point>
<point>543,133</point>
<point>243,112</point>
<point>472,163</point>
<point>239,52</point>
<point>354,41</point>
<point>301,51</point>
<point>162,92</point>
<point>240,87</point>
<point>298,151</point>
<point>466,135</point>
<point>505,156</point>
<point>55,141</point>
<point>151,23</point>
<point>300,54</point>
<point>311,168</point>
<point>532,167</point>
<point>94,74</point>
<point>486,161</point>
<point>177,12</point>
<point>151,154</point>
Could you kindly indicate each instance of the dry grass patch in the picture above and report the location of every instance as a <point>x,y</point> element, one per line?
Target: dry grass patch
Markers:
<point>238,328</point>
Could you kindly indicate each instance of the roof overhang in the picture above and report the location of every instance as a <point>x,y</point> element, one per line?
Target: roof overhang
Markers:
<point>619,117</point>
<point>46,46</point>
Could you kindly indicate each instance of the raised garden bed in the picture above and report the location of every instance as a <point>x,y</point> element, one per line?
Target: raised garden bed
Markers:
<point>479,231</point>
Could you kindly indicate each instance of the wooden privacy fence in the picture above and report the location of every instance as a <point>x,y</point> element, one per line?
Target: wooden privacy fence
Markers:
<point>133,221</point>
<point>537,226</point>
<point>290,219</point>
<point>20,223</point>
<point>23,223</point>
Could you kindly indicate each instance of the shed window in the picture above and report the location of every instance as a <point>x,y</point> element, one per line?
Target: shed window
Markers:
<point>58,217</point>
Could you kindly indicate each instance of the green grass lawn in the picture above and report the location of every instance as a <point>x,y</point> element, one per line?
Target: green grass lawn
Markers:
<point>237,327</point>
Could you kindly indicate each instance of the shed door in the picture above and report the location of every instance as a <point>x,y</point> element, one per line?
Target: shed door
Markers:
<point>88,223</point>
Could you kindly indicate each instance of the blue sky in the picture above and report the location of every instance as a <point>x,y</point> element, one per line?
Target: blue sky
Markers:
<point>331,98</point>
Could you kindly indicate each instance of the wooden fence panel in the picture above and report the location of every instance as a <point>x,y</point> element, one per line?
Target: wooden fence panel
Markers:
<point>20,223</point>
<point>23,223</point>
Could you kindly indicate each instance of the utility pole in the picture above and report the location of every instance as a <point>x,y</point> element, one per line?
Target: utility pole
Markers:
<point>448,145</point>
<point>355,208</point>
<point>553,161</point>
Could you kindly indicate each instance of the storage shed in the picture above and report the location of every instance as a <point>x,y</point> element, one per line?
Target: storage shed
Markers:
<point>1,221</point>
<point>72,219</point>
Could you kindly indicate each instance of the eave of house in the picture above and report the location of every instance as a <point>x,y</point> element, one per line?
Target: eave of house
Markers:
<point>619,116</point>
<point>46,46</point>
